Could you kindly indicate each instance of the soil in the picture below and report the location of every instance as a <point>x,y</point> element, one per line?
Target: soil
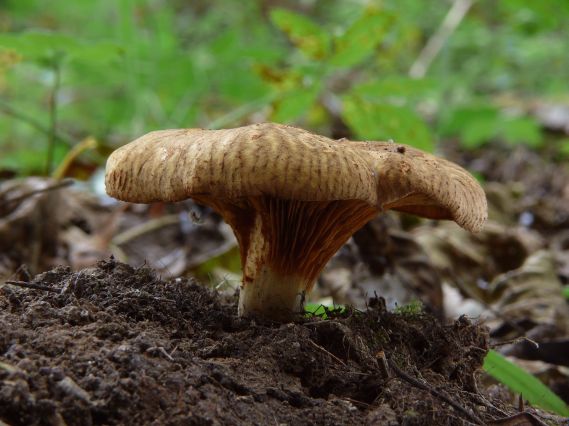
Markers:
<point>117,345</point>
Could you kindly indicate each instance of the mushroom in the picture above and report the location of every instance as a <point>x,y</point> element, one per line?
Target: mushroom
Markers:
<point>292,198</point>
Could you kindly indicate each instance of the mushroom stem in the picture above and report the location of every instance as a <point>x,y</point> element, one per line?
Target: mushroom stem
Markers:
<point>284,245</point>
<point>272,295</point>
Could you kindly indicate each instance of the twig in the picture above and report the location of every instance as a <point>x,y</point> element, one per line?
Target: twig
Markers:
<point>321,322</point>
<point>516,341</point>
<point>483,401</point>
<point>86,144</point>
<point>9,110</point>
<point>199,259</point>
<point>9,368</point>
<point>161,350</point>
<point>22,270</point>
<point>421,385</point>
<point>383,365</point>
<point>24,284</point>
<point>355,401</point>
<point>146,227</point>
<point>52,138</point>
<point>136,294</point>
<point>454,16</point>
<point>70,387</point>
<point>58,185</point>
<point>327,352</point>
<point>67,284</point>
<point>523,418</point>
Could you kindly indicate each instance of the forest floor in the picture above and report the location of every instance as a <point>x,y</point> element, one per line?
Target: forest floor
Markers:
<point>116,345</point>
<point>102,342</point>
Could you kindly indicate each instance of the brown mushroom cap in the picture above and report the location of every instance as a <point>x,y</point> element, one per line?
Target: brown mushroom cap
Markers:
<point>292,164</point>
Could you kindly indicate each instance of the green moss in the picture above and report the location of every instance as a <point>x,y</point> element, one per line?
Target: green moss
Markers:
<point>414,308</point>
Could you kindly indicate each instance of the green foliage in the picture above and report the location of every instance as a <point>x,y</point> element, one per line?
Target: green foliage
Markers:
<point>306,35</point>
<point>476,125</point>
<point>566,292</point>
<point>322,311</point>
<point>44,48</point>
<point>414,307</point>
<point>564,148</point>
<point>295,103</point>
<point>381,121</point>
<point>371,114</point>
<point>126,67</point>
<point>357,42</point>
<point>520,381</point>
<point>229,261</point>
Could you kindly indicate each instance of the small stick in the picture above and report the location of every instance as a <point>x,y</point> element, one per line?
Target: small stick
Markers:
<point>483,401</point>
<point>521,406</point>
<point>58,185</point>
<point>67,284</point>
<point>22,270</point>
<point>327,352</point>
<point>8,110</point>
<point>355,401</point>
<point>145,227</point>
<point>384,366</point>
<point>451,21</point>
<point>515,341</point>
<point>417,383</point>
<point>24,284</point>
<point>161,350</point>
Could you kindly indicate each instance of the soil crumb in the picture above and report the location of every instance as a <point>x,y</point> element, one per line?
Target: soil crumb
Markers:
<point>118,345</point>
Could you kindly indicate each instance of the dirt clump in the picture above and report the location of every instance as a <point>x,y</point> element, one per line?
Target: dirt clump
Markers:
<point>118,345</point>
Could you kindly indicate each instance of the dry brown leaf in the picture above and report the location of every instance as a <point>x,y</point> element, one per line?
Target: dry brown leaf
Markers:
<point>531,297</point>
<point>385,260</point>
<point>30,216</point>
<point>471,261</point>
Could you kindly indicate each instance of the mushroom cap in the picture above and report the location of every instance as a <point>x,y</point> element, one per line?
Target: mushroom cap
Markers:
<point>271,159</point>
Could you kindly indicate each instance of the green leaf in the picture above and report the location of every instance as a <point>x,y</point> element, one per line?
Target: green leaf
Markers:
<point>26,160</point>
<point>295,103</point>
<point>320,310</point>
<point>521,130</point>
<point>564,147</point>
<point>305,34</point>
<point>42,46</point>
<point>372,121</point>
<point>566,292</point>
<point>228,260</point>
<point>36,45</point>
<point>474,125</point>
<point>97,53</point>
<point>520,381</point>
<point>394,87</point>
<point>360,40</point>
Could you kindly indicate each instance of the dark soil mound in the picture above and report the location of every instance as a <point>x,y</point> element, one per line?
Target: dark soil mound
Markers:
<point>116,345</point>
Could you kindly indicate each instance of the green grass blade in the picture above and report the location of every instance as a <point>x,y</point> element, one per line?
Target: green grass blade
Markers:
<point>519,380</point>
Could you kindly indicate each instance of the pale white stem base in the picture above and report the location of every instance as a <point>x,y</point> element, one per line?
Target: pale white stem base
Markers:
<point>272,295</point>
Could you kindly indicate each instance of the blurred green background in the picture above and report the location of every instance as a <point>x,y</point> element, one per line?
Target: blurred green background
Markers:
<point>115,69</point>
